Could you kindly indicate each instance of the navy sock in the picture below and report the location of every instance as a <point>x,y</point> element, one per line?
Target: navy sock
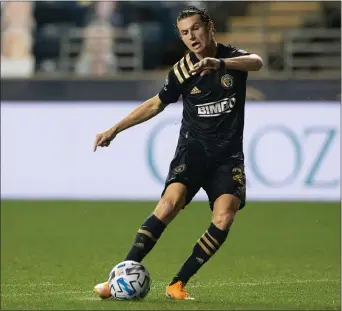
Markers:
<point>206,246</point>
<point>147,236</point>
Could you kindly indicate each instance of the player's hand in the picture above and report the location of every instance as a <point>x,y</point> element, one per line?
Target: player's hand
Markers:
<point>205,66</point>
<point>103,139</point>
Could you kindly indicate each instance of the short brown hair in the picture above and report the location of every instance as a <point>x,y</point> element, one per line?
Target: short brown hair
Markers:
<point>191,11</point>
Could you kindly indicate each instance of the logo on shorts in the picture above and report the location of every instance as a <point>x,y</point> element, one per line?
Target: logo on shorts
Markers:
<point>179,169</point>
<point>238,175</point>
<point>227,81</point>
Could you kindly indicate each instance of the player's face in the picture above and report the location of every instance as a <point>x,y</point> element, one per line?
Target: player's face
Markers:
<point>194,33</point>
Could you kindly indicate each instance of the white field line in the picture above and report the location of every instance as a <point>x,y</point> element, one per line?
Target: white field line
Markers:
<point>50,291</point>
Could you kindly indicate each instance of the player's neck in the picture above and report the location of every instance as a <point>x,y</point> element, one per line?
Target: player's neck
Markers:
<point>209,51</point>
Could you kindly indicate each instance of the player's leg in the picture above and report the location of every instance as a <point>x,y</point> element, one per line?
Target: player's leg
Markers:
<point>182,183</point>
<point>224,210</point>
<point>178,192</point>
<point>172,201</point>
<point>226,191</point>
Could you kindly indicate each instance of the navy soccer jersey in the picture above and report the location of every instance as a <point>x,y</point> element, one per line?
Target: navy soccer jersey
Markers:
<point>213,104</point>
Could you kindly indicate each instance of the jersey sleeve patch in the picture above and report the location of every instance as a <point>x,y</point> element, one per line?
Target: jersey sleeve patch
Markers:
<point>182,69</point>
<point>171,90</point>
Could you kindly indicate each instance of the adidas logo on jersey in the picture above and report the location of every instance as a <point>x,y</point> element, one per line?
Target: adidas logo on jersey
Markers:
<point>195,90</point>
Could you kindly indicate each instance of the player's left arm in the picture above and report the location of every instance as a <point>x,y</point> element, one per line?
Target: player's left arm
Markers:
<point>239,60</point>
<point>251,62</point>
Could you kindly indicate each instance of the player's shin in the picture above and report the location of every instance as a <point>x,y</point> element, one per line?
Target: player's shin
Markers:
<point>204,249</point>
<point>146,237</point>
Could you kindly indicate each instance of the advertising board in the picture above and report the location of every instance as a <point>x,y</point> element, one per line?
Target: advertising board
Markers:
<point>292,152</point>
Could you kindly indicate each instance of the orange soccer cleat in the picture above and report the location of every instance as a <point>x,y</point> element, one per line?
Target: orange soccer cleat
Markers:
<point>102,290</point>
<point>177,291</point>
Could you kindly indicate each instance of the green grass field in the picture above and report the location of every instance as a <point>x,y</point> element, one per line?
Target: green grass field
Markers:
<point>277,256</point>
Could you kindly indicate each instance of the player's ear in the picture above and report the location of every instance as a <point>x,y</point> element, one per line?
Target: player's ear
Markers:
<point>211,27</point>
<point>178,31</point>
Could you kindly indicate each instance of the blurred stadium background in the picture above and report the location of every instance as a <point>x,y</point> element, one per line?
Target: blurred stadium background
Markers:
<point>296,39</point>
<point>100,59</point>
<point>70,69</point>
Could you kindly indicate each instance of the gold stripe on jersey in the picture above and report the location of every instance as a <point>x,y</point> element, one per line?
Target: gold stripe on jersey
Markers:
<point>189,62</point>
<point>177,73</point>
<point>184,70</point>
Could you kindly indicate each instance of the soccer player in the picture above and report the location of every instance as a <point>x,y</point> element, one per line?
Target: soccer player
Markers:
<point>209,155</point>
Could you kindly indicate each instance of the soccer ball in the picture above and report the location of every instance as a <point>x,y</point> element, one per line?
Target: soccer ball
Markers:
<point>129,280</point>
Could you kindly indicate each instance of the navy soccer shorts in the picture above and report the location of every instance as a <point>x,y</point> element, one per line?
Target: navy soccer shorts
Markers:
<point>195,169</point>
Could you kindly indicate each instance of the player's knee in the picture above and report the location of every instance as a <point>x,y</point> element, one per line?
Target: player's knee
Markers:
<point>223,220</point>
<point>225,208</point>
<point>168,207</point>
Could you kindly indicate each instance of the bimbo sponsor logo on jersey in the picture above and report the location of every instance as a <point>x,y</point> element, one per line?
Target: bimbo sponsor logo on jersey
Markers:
<point>215,109</point>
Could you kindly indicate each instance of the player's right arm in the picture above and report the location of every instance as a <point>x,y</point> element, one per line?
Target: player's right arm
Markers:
<point>149,109</point>
<point>142,113</point>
